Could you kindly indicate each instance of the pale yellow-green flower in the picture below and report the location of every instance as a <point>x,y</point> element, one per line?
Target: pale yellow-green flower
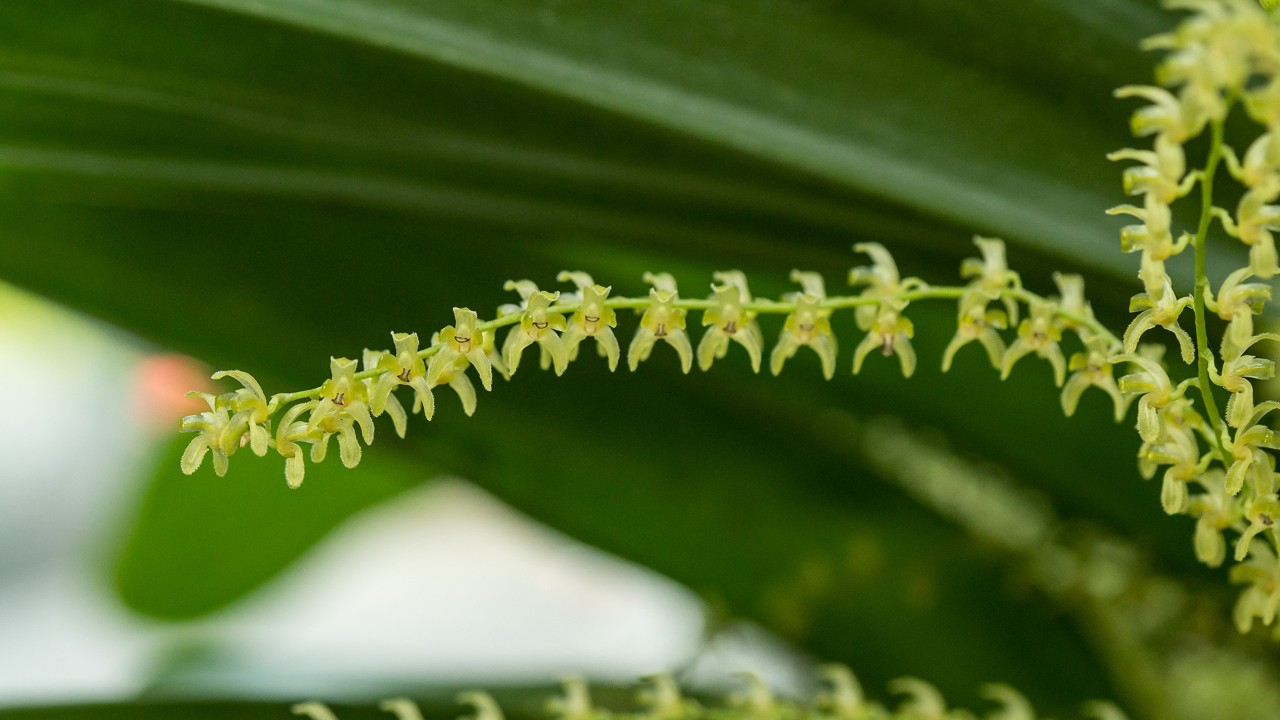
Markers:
<point>1153,238</point>
<point>289,432</point>
<point>1102,710</point>
<point>979,323</point>
<point>1015,705</point>
<point>462,345</point>
<point>1256,216</point>
<point>923,700</point>
<point>662,320</point>
<point>1237,302</point>
<point>1179,448</point>
<point>538,324</point>
<point>991,276</point>
<point>1074,311</point>
<point>886,328</point>
<point>729,322</point>
<point>883,282</point>
<point>1038,333</point>
<point>1249,458</point>
<point>1152,383</point>
<point>210,427</point>
<point>313,710</point>
<point>1237,370</point>
<point>845,699</point>
<point>250,414</point>
<point>486,708</point>
<point>1263,513</point>
<point>1261,164</point>
<point>593,319</point>
<point>758,702</point>
<point>1162,174</point>
<point>403,367</point>
<point>343,404</point>
<point>1159,310</point>
<point>1093,368</point>
<point>890,333</point>
<point>575,704</point>
<point>1166,115</point>
<point>1261,599</point>
<point>1215,510</point>
<point>809,324</point>
<point>662,700</point>
<point>403,709</point>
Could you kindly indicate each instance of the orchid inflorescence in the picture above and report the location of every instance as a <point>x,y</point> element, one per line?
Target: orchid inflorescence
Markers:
<point>843,699</point>
<point>1226,53</point>
<point>559,323</point>
<point>1217,465</point>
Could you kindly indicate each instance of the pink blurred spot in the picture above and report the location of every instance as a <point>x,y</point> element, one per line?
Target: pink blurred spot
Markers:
<point>163,382</point>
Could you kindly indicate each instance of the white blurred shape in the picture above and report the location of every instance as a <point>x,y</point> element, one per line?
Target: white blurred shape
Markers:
<point>449,583</point>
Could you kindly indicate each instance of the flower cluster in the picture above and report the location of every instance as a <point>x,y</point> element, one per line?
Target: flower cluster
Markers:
<point>1217,465</point>
<point>346,405</point>
<point>841,699</point>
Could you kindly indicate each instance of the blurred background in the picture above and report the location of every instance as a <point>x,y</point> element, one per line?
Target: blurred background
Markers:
<point>444,582</point>
<point>260,184</point>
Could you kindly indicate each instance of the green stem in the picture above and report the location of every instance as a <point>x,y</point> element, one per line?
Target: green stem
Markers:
<point>1204,384</point>
<point>839,302</point>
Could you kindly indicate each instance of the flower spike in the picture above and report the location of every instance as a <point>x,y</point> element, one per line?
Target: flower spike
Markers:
<point>662,320</point>
<point>729,321</point>
<point>809,325</point>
